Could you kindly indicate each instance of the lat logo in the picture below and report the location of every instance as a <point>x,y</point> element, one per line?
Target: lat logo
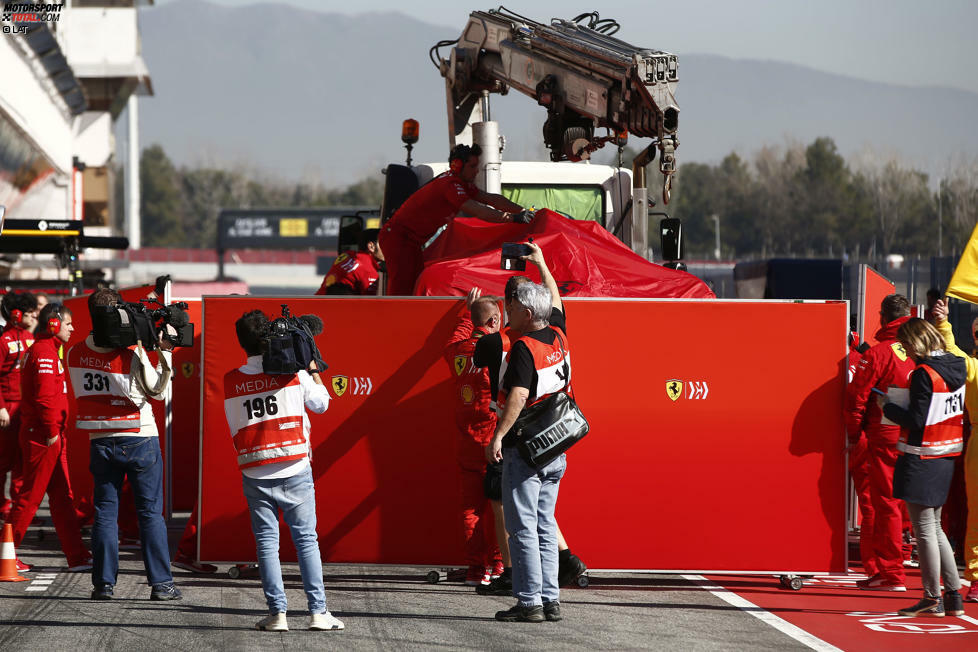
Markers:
<point>339,384</point>
<point>695,390</point>
<point>674,389</point>
<point>459,364</point>
<point>187,369</point>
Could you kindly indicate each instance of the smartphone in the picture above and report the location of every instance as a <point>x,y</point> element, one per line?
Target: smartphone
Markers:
<point>511,254</point>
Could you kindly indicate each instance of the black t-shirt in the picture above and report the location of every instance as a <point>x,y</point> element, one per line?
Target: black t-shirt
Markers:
<point>489,351</point>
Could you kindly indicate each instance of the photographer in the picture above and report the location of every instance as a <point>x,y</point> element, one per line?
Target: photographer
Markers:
<point>266,415</point>
<point>113,387</point>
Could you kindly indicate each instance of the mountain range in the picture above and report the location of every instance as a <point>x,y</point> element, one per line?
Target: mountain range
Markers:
<point>301,95</point>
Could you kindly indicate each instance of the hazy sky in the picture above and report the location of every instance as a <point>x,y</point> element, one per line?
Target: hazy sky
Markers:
<point>912,42</point>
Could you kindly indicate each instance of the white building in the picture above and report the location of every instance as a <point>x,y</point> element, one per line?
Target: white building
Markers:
<point>68,71</point>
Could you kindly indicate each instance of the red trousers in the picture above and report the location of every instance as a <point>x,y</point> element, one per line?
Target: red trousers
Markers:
<point>478,524</point>
<point>45,470</point>
<point>888,511</point>
<point>859,469</point>
<point>404,261</point>
<point>10,456</point>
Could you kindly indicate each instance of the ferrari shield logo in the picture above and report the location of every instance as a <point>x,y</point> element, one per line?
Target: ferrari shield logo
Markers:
<point>460,361</point>
<point>899,351</point>
<point>674,389</point>
<point>187,369</point>
<point>339,383</point>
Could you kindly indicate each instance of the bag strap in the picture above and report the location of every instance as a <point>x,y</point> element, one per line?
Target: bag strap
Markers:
<point>563,353</point>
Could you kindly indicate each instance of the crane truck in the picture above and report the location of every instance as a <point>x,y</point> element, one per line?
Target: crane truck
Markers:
<point>587,80</point>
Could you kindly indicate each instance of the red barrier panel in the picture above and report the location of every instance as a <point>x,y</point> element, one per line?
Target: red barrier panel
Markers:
<point>725,457</point>
<point>875,288</point>
<point>185,423</point>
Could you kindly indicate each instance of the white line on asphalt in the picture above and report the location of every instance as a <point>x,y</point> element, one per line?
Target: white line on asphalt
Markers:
<point>776,622</point>
<point>969,619</point>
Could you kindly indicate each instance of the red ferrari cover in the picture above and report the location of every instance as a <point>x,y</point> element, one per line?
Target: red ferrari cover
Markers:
<point>584,258</point>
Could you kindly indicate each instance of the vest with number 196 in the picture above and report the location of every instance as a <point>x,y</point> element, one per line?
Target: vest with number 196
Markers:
<point>265,415</point>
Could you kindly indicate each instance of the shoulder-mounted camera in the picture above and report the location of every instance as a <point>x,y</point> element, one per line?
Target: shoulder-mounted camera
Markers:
<point>290,344</point>
<point>125,324</point>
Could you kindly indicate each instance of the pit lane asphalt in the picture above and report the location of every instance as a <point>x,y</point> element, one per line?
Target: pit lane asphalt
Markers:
<point>383,607</point>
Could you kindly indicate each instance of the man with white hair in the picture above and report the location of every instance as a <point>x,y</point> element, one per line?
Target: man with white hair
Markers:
<point>539,366</point>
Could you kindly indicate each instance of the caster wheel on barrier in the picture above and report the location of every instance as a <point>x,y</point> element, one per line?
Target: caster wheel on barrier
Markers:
<point>234,572</point>
<point>784,581</point>
<point>432,577</point>
<point>583,581</point>
<point>796,583</point>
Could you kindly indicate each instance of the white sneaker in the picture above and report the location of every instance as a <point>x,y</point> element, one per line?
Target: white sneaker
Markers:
<point>325,622</point>
<point>273,623</point>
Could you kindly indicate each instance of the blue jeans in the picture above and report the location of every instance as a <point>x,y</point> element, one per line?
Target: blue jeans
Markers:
<point>529,500</point>
<point>112,460</point>
<point>296,497</point>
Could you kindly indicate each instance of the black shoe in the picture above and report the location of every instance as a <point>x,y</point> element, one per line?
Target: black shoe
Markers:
<point>551,611</point>
<point>926,607</point>
<point>165,592</point>
<point>953,603</point>
<point>570,570</point>
<point>520,614</point>
<point>103,592</point>
<point>502,585</point>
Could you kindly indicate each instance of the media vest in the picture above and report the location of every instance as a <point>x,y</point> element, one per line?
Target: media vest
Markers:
<point>552,363</point>
<point>265,414</point>
<point>101,382</point>
<point>943,434</point>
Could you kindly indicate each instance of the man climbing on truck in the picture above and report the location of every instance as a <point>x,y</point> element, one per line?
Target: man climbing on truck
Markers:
<point>432,206</point>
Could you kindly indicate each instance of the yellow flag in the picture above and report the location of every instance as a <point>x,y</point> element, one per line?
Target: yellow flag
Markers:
<point>964,283</point>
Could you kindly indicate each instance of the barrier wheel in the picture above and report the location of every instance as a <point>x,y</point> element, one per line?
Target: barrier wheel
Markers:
<point>234,572</point>
<point>796,583</point>
<point>784,580</point>
<point>583,581</point>
<point>432,577</point>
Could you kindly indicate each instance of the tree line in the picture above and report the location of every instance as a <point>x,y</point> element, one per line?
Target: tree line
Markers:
<point>793,200</point>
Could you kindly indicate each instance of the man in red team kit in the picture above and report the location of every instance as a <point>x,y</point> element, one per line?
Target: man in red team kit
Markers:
<point>44,412</point>
<point>356,272</point>
<point>433,206</point>
<point>475,421</point>
<point>19,309</point>
<point>886,367</point>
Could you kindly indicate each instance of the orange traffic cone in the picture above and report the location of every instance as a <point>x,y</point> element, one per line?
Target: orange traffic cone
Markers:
<point>8,557</point>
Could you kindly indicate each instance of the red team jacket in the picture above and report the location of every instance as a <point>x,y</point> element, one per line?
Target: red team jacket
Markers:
<point>357,271</point>
<point>14,342</point>
<point>473,415</point>
<point>431,207</point>
<point>44,389</point>
<point>884,365</point>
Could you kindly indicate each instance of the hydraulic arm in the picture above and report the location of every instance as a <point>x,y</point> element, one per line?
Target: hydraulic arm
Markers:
<point>584,77</point>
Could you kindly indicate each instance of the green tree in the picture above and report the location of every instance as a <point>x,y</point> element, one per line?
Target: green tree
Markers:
<point>160,201</point>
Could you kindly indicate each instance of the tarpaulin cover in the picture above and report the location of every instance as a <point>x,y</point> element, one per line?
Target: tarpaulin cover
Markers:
<point>584,258</point>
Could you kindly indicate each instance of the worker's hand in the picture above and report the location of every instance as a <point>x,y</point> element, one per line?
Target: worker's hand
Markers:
<point>940,310</point>
<point>163,344</point>
<point>525,216</point>
<point>494,451</point>
<point>536,254</point>
<point>4,418</point>
<point>471,297</point>
<point>881,400</point>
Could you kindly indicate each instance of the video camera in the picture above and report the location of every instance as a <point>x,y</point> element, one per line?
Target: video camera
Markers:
<point>125,324</point>
<point>290,344</point>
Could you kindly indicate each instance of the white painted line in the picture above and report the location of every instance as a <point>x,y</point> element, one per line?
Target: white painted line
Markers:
<point>36,588</point>
<point>46,576</point>
<point>42,582</point>
<point>969,619</point>
<point>776,622</point>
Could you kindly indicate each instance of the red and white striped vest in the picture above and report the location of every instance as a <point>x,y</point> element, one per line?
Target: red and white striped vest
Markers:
<point>265,414</point>
<point>101,384</point>
<point>943,430</point>
<point>552,362</point>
